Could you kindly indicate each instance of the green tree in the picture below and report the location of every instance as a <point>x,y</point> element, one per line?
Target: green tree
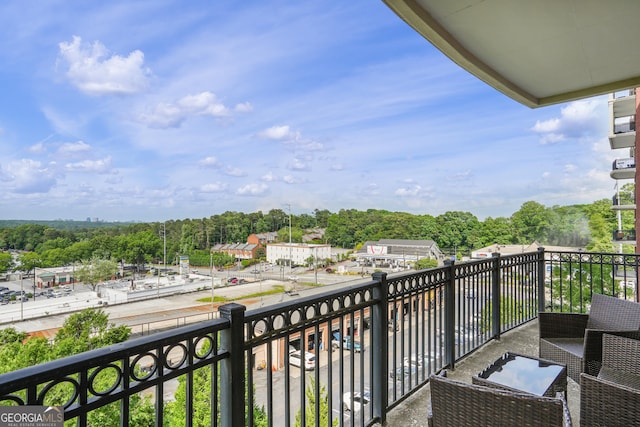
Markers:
<point>140,248</point>
<point>95,270</point>
<point>88,330</point>
<point>310,408</point>
<point>28,261</point>
<point>425,263</point>
<point>175,411</point>
<point>492,231</point>
<point>530,222</point>
<point>454,229</point>
<point>6,261</point>
<point>79,251</point>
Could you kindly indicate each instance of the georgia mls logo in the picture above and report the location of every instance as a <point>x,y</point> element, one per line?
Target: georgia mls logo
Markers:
<point>31,416</point>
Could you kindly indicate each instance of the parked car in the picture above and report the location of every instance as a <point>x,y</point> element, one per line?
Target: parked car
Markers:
<point>359,400</point>
<point>232,280</point>
<point>295,359</point>
<point>418,361</point>
<point>466,333</point>
<point>402,372</point>
<point>345,342</point>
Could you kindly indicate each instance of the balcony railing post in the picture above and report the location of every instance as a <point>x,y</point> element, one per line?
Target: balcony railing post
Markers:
<point>232,368</point>
<point>495,296</point>
<point>380,347</point>
<point>542,271</point>
<point>450,313</point>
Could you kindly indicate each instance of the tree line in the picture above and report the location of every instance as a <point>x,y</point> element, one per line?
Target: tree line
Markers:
<point>455,232</point>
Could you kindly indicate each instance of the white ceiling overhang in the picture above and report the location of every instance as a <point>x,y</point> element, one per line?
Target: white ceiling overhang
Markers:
<point>538,52</point>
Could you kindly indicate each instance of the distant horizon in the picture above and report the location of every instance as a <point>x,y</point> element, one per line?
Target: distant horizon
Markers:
<point>105,221</point>
<point>175,110</point>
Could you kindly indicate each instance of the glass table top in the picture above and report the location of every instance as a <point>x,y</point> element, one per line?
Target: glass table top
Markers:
<point>522,373</point>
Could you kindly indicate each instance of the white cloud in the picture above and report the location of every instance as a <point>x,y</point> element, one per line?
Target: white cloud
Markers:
<point>172,115</point>
<point>244,107</point>
<point>38,148</point>
<point>547,126</point>
<point>101,166</point>
<point>71,148</point>
<point>237,172</point>
<point>285,135</point>
<point>30,176</point>
<point>95,71</point>
<point>577,119</point>
<point>372,190</point>
<point>256,189</point>
<point>461,176</point>
<point>411,191</point>
<point>269,177</point>
<point>290,179</point>
<point>209,162</point>
<point>279,133</point>
<point>215,187</point>
<point>298,165</point>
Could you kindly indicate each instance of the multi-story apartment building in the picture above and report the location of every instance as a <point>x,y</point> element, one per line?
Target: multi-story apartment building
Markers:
<point>296,253</point>
<point>623,111</point>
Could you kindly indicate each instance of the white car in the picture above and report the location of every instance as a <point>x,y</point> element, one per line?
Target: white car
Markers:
<point>417,361</point>
<point>359,400</point>
<point>309,360</point>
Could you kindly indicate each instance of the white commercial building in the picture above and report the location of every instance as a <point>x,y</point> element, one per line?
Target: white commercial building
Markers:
<point>296,253</point>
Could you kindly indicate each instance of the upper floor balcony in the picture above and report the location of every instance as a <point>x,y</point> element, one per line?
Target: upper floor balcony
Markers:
<point>399,329</point>
<point>623,202</point>
<point>624,236</point>
<point>622,119</point>
<point>624,168</point>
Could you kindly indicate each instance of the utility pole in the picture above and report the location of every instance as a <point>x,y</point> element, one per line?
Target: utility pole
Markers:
<point>290,249</point>
<point>21,298</point>
<point>211,262</point>
<point>315,263</point>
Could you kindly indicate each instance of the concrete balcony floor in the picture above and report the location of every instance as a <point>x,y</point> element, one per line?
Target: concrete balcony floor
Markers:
<point>523,340</point>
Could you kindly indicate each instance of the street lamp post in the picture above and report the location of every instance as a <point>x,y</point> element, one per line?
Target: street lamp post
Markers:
<point>21,298</point>
<point>211,266</point>
<point>164,235</point>
<point>315,263</point>
<point>290,250</point>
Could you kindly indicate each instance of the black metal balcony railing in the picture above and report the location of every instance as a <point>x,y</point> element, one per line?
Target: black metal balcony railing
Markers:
<point>624,93</point>
<point>624,235</point>
<point>380,339</point>
<point>624,127</point>
<point>626,163</point>
<point>623,200</point>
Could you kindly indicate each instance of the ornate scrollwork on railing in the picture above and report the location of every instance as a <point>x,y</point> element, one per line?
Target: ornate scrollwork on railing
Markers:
<point>281,319</point>
<point>468,269</point>
<point>98,376</point>
<point>417,282</point>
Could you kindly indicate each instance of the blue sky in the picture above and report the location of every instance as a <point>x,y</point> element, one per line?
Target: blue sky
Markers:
<point>158,110</point>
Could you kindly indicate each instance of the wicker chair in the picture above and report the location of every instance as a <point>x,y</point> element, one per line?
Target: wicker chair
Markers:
<point>613,397</point>
<point>575,339</point>
<point>459,404</point>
